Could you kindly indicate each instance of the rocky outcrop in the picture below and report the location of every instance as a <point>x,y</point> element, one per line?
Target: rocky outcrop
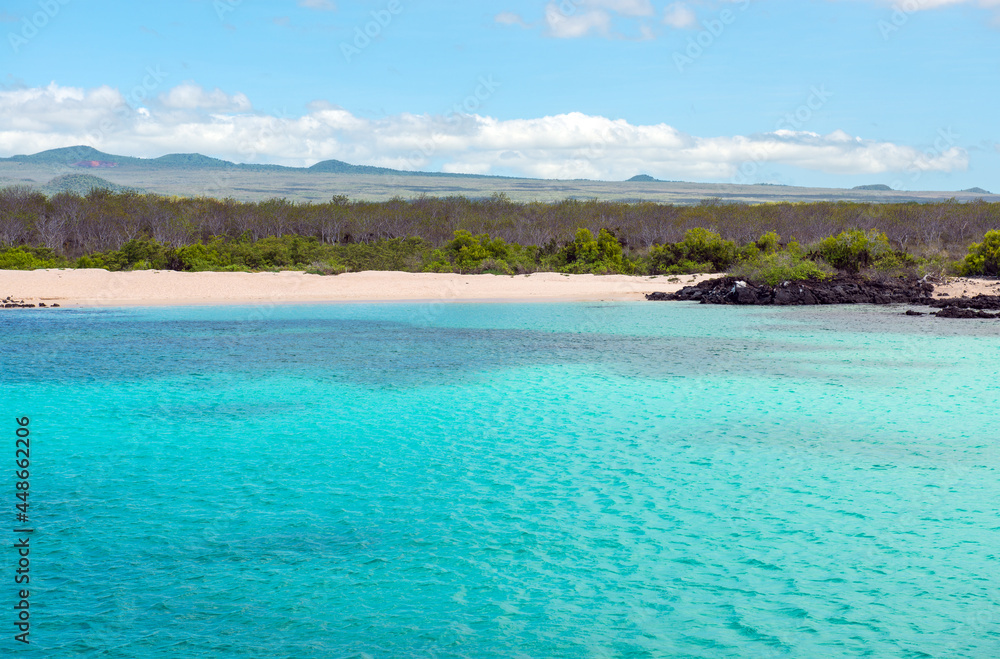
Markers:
<point>837,290</point>
<point>976,302</point>
<point>964,312</point>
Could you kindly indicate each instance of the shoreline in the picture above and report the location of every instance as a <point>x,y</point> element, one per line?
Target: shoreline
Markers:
<point>83,288</point>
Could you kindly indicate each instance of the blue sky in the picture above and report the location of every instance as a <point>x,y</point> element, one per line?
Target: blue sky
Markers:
<point>814,92</point>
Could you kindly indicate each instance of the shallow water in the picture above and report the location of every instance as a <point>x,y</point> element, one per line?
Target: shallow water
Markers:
<point>533,480</point>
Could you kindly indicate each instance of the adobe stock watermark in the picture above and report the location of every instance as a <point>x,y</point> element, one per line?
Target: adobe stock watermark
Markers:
<point>616,134</point>
<point>32,25</point>
<point>818,96</point>
<point>795,120</point>
<point>137,96</point>
<point>224,7</point>
<point>900,16</point>
<point>363,36</point>
<point>945,140</point>
<point>219,180</point>
<point>487,86</point>
<point>714,29</point>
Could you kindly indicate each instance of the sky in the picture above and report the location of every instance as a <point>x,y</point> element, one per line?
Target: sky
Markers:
<point>830,93</point>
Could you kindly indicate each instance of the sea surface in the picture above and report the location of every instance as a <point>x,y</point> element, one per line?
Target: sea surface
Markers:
<point>504,480</point>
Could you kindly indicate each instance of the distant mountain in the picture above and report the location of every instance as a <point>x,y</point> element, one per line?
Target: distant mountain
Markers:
<point>341,167</point>
<point>642,178</point>
<point>977,191</point>
<point>80,184</point>
<point>73,155</point>
<point>877,187</point>
<point>189,161</point>
<point>90,158</point>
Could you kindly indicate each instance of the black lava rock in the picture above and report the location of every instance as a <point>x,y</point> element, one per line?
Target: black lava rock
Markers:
<point>961,312</point>
<point>978,302</point>
<point>837,290</point>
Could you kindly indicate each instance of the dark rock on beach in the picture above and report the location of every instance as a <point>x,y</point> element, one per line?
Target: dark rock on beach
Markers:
<point>11,303</point>
<point>842,289</point>
<point>977,302</point>
<point>964,312</point>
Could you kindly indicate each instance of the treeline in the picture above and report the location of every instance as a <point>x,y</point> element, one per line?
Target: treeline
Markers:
<point>125,230</point>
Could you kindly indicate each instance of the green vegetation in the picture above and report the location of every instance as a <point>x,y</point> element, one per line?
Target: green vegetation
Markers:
<point>468,254</point>
<point>80,184</point>
<point>28,258</point>
<point>983,258</point>
<point>772,269</point>
<point>129,230</point>
<point>701,250</point>
<point>587,255</point>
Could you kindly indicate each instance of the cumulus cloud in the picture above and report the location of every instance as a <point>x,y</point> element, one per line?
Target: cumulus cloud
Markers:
<point>66,110</point>
<point>569,19</point>
<point>189,96</point>
<point>564,25</point>
<point>574,145</point>
<point>679,15</point>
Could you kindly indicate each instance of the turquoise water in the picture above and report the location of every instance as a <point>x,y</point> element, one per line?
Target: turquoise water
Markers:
<point>452,480</point>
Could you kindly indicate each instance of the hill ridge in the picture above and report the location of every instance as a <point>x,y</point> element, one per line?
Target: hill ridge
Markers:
<point>88,157</point>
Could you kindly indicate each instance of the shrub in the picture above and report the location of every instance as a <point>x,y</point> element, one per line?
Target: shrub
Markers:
<point>587,255</point>
<point>852,250</point>
<point>93,261</point>
<point>495,267</point>
<point>470,254</point>
<point>983,258</point>
<point>772,269</point>
<point>466,251</point>
<point>769,243</point>
<point>892,265</point>
<point>197,258</point>
<point>326,268</point>
<point>702,249</point>
<point>141,253</point>
<point>27,258</point>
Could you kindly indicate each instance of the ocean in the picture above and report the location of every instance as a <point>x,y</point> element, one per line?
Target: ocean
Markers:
<point>502,480</point>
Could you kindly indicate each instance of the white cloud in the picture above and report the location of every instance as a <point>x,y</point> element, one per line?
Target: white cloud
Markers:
<point>564,25</point>
<point>568,19</point>
<point>189,96</point>
<point>679,15</point>
<point>623,7</point>
<point>323,5</point>
<point>191,119</point>
<point>60,109</point>
<point>911,6</point>
<point>509,18</point>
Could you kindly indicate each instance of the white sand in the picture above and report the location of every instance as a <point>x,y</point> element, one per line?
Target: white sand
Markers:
<point>967,287</point>
<point>88,288</point>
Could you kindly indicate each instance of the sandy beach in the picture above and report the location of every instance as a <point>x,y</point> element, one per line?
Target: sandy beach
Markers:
<point>967,287</point>
<point>92,288</point>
